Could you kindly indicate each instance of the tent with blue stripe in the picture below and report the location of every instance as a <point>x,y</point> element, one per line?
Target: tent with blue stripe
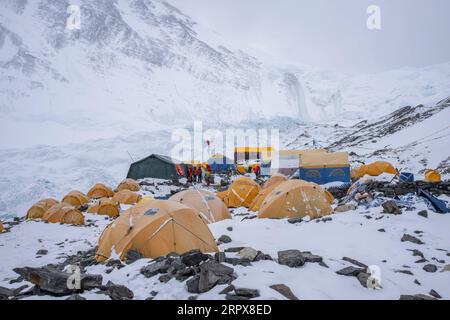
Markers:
<point>322,168</point>
<point>221,163</point>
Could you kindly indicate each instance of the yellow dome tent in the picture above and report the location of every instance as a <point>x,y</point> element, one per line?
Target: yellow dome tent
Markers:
<point>296,199</point>
<point>241,193</point>
<point>99,190</point>
<point>75,198</point>
<point>262,195</point>
<point>127,197</point>
<point>155,229</point>
<point>1,227</point>
<point>129,184</point>
<point>432,176</point>
<point>373,169</point>
<point>275,179</point>
<point>38,209</point>
<point>106,207</point>
<point>63,213</point>
<point>211,207</point>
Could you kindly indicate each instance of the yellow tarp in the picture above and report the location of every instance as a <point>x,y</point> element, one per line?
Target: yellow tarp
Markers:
<point>373,169</point>
<point>324,160</point>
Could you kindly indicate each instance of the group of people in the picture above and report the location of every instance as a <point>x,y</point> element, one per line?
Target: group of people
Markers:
<point>199,173</point>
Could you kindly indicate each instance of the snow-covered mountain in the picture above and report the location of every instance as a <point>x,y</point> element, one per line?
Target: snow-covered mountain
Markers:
<point>139,65</point>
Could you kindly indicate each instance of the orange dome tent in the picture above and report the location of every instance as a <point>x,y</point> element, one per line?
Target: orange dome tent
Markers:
<point>1,227</point>
<point>241,193</point>
<point>106,207</point>
<point>296,199</point>
<point>127,197</point>
<point>38,209</point>
<point>129,184</point>
<point>275,179</point>
<point>75,198</point>
<point>211,207</point>
<point>373,169</point>
<point>155,229</point>
<point>99,190</point>
<point>432,176</point>
<point>63,213</point>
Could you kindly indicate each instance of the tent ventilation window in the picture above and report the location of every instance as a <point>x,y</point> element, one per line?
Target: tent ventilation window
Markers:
<point>151,212</point>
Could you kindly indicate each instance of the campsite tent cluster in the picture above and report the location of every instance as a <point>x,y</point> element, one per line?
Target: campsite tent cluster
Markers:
<point>180,223</point>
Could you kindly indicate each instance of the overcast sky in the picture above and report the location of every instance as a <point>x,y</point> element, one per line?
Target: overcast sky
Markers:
<point>332,34</point>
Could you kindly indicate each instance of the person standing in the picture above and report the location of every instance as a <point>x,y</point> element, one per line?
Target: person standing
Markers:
<point>199,174</point>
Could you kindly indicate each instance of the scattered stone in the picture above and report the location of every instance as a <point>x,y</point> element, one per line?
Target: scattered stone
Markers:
<point>417,253</point>
<point>345,207</point>
<point>284,291</point>
<point>410,238</point>
<point>118,291</point>
<point>438,260</point>
<point>224,239</point>
<point>152,269</point>
<point>41,252</point>
<point>391,207</point>
<point>312,258</point>
<point>114,263</point>
<point>234,249</point>
<point>291,258</point>
<point>446,268</point>
<point>350,271</point>
<point>355,262</point>
<point>193,258</point>
<point>430,268</point>
<point>435,294</point>
<point>230,296</point>
<point>132,256</point>
<point>381,230</point>
<point>220,257</point>
<point>76,297</point>
<point>244,292</point>
<point>165,278</point>
<point>417,282</point>
<point>423,213</point>
<point>192,297</point>
<point>227,289</point>
<point>248,253</point>
<point>153,293</point>
<point>54,281</point>
<point>238,261</point>
<point>405,272</point>
<point>230,228</point>
<point>416,297</point>
<point>211,274</point>
<point>295,220</point>
<point>323,264</point>
<point>6,294</point>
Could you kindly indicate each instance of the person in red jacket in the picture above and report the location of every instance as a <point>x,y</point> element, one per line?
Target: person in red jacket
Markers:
<point>190,174</point>
<point>199,173</point>
<point>256,170</point>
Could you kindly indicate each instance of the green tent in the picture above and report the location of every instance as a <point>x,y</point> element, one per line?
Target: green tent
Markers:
<point>156,166</point>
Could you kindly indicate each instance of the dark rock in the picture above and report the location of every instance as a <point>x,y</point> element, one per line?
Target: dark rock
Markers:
<point>132,256</point>
<point>244,292</point>
<point>153,268</point>
<point>391,207</point>
<point>230,228</point>
<point>423,213</point>
<point>153,293</point>
<point>417,253</point>
<point>230,296</point>
<point>416,297</point>
<point>228,289</point>
<point>410,238</point>
<point>118,291</point>
<point>363,278</point>
<point>405,272</point>
<point>6,293</point>
<point>438,260</point>
<point>312,258</point>
<point>54,281</point>
<point>234,249</point>
<point>291,258</point>
<point>284,291</point>
<point>295,220</point>
<point>350,271</point>
<point>323,264</point>
<point>115,263</point>
<point>417,282</point>
<point>381,230</point>
<point>211,274</point>
<point>193,258</point>
<point>76,297</point>
<point>355,262</point>
<point>435,294</point>
<point>192,297</point>
<point>165,278</point>
<point>430,268</point>
<point>238,261</point>
<point>41,252</point>
<point>224,239</point>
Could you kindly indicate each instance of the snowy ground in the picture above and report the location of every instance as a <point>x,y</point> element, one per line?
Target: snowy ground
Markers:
<point>353,234</point>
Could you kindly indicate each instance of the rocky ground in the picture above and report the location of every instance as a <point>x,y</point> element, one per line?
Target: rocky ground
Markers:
<point>260,258</point>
